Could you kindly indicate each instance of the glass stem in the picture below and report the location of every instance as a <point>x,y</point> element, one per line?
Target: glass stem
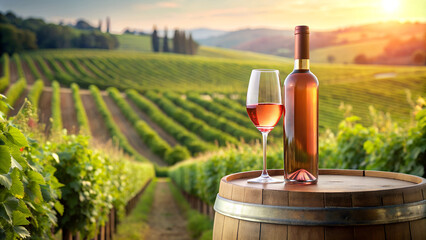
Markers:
<point>265,140</point>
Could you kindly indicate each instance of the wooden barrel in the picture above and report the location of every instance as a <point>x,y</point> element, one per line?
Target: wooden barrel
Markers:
<point>345,204</point>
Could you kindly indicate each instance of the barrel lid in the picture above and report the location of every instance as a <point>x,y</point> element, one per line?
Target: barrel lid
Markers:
<point>333,181</point>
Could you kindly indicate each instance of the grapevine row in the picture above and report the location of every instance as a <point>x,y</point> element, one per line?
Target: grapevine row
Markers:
<point>186,138</point>
<point>190,122</point>
<point>56,107</point>
<point>148,135</point>
<point>5,79</point>
<point>213,119</point>
<point>82,120</point>
<point>113,129</point>
<point>35,93</point>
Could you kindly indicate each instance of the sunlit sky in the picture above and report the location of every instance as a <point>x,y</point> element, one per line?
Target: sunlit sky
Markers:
<point>221,14</point>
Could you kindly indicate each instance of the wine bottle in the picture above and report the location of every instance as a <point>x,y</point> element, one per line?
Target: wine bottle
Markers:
<point>300,96</point>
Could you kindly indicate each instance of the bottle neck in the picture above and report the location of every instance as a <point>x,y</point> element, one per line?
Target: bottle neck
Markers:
<point>301,64</point>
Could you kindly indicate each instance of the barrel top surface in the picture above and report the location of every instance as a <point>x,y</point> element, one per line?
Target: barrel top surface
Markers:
<point>332,181</point>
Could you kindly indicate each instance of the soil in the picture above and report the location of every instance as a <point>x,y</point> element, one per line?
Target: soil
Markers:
<point>68,113</point>
<point>18,104</point>
<point>166,221</point>
<point>132,136</point>
<point>27,72</point>
<point>13,72</point>
<point>45,108</point>
<point>96,122</point>
<point>163,134</point>
<point>45,80</point>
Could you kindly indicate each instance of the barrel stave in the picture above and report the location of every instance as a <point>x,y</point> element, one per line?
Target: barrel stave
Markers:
<point>373,191</point>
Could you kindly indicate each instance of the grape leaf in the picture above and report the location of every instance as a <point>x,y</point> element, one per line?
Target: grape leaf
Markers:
<point>5,160</point>
<point>17,188</point>
<point>22,207</point>
<point>7,207</point>
<point>16,164</point>
<point>6,180</point>
<point>17,137</point>
<point>59,207</point>
<point>17,155</point>
<point>21,231</point>
<point>20,219</point>
<point>36,177</point>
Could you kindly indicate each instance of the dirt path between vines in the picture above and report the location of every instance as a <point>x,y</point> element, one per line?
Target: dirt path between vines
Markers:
<point>132,136</point>
<point>166,221</point>
<point>45,109</point>
<point>45,80</point>
<point>13,72</point>
<point>96,122</point>
<point>68,113</point>
<point>27,72</point>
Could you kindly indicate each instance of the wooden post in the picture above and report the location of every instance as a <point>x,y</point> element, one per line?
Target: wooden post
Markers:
<point>66,234</point>
<point>108,228</point>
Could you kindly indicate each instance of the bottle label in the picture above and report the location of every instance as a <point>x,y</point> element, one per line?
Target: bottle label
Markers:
<point>301,64</point>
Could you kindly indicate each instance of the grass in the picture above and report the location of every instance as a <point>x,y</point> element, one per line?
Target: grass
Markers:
<point>199,225</point>
<point>129,42</point>
<point>216,52</point>
<point>134,226</point>
<point>346,53</point>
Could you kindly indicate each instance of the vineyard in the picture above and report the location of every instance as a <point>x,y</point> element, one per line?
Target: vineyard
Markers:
<point>185,111</point>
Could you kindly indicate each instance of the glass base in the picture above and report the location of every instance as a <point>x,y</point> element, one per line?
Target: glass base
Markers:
<point>265,179</point>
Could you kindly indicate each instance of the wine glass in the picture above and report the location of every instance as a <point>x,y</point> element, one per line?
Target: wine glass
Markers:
<point>264,107</point>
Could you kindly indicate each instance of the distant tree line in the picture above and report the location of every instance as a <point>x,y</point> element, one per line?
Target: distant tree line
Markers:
<point>18,34</point>
<point>182,42</point>
<point>411,51</point>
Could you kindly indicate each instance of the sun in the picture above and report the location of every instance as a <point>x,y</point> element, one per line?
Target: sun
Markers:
<point>390,6</point>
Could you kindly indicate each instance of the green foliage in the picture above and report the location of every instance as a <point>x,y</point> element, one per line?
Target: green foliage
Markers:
<point>44,67</point>
<point>32,67</point>
<point>15,39</point>
<point>5,79</point>
<point>221,110</point>
<point>59,74</point>
<point>190,122</point>
<point>29,191</point>
<point>82,120</point>
<point>13,94</point>
<point>177,154</point>
<point>56,107</point>
<point>18,63</point>
<point>35,92</point>
<point>161,171</point>
<point>113,129</point>
<point>189,140</point>
<point>198,224</point>
<point>383,146</point>
<point>148,135</point>
<point>94,183</point>
<point>214,120</point>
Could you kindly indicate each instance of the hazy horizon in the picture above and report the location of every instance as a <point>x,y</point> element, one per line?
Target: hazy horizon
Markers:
<point>221,15</point>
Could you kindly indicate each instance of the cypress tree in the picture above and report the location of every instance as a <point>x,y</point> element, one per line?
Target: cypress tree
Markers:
<point>165,42</point>
<point>176,39</point>
<point>182,42</point>
<point>193,44</point>
<point>155,41</point>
